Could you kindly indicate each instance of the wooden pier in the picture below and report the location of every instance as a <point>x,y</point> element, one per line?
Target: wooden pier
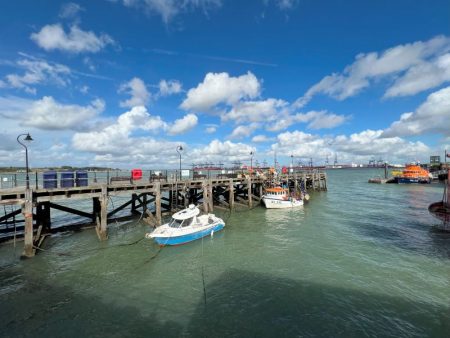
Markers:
<point>150,199</point>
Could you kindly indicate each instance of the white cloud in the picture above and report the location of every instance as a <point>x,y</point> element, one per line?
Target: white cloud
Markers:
<point>243,131</point>
<point>432,117</point>
<point>411,58</point>
<point>261,139</point>
<point>422,76</point>
<point>37,72</point>
<point>49,114</point>
<point>53,37</point>
<point>359,147</point>
<point>256,111</point>
<point>222,151</point>
<point>183,125</point>
<point>219,88</point>
<point>169,87</point>
<point>70,10</point>
<point>315,119</point>
<point>116,139</point>
<point>211,129</point>
<point>138,91</point>
<point>287,4</point>
<point>168,9</point>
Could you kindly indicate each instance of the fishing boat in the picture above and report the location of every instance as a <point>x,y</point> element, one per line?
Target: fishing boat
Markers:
<point>414,173</point>
<point>279,198</point>
<point>186,226</point>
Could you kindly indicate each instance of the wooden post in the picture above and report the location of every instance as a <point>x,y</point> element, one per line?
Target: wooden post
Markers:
<point>144,203</point>
<point>27,210</point>
<point>96,207</point>
<point>231,197</point>
<point>260,190</point>
<point>210,197</point>
<point>295,183</point>
<point>133,203</point>
<point>157,186</point>
<point>102,231</point>
<point>249,192</point>
<point>205,196</point>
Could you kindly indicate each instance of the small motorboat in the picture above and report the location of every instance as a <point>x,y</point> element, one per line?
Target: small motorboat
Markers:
<point>414,173</point>
<point>186,226</point>
<point>279,198</point>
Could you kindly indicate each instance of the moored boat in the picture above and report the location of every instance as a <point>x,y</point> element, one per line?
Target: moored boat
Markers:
<point>441,209</point>
<point>414,173</point>
<point>279,198</point>
<point>186,226</point>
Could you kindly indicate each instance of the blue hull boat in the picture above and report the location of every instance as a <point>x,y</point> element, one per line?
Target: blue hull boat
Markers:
<point>178,240</point>
<point>186,226</point>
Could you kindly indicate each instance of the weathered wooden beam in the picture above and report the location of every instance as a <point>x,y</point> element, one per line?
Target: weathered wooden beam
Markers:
<point>9,215</point>
<point>70,210</point>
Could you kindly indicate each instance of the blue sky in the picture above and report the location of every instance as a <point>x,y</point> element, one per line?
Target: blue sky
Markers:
<point>122,83</point>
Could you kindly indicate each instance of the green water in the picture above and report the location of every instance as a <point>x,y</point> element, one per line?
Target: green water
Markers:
<point>359,260</point>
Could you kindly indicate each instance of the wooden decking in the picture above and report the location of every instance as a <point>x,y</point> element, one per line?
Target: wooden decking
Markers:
<point>148,198</point>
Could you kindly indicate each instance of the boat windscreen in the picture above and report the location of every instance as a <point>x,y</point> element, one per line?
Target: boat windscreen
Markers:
<point>175,223</point>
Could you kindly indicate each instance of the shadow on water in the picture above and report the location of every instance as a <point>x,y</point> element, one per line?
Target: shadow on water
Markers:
<point>248,304</point>
<point>42,310</point>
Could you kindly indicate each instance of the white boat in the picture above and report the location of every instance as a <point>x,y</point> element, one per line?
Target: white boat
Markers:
<point>186,226</point>
<point>278,198</point>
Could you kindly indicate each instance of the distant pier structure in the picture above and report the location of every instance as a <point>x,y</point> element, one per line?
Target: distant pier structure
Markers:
<point>152,195</point>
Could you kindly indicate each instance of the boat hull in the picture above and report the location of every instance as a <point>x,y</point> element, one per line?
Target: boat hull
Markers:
<point>408,180</point>
<point>272,203</point>
<point>186,238</point>
<point>440,211</point>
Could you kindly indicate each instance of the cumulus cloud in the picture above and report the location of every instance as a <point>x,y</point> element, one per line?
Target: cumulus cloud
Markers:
<point>243,131</point>
<point>357,147</point>
<point>256,111</point>
<point>211,129</point>
<point>219,88</point>
<point>169,87</point>
<point>36,72</point>
<point>117,137</point>
<point>138,91</point>
<point>48,114</point>
<point>70,10</point>
<point>54,37</point>
<point>315,119</point>
<point>431,117</point>
<point>222,151</point>
<point>183,125</point>
<point>168,9</point>
<point>261,139</point>
<point>404,61</point>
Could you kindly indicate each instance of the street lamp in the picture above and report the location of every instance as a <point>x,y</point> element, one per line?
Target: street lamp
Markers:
<point>251,162</point>
<point>27,139</point>
<point>180,148</point>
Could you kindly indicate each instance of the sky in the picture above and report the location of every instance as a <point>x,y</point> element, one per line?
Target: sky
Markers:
<point>123,83</point>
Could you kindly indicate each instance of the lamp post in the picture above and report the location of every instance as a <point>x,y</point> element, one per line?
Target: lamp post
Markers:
<point>251,162</point>
<point>180,148</point>
<point>27,139</point>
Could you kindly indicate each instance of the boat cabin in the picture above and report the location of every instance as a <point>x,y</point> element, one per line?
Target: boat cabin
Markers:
<point>184,217</point>
<point>277,191</point>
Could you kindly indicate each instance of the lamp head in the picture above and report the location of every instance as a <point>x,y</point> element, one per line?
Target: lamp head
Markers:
<point>180,148</point>
<point>28,138</point>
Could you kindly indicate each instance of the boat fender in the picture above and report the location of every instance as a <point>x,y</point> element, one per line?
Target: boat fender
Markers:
<point>212,233</point>
<point>187,195</point>
<point>147,235</point>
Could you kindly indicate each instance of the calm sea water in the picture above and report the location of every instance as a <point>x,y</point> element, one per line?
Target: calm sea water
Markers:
<point>359,260</point>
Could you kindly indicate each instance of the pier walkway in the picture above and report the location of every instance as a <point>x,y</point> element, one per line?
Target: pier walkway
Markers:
<point>150,197</point>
